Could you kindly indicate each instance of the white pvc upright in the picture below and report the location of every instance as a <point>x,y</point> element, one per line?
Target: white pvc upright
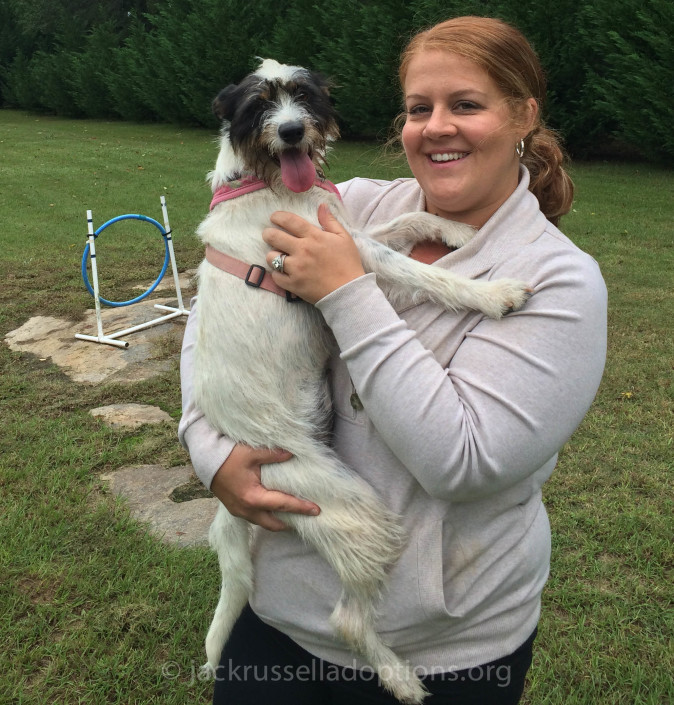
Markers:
<point>169,242</point>
<point>112,338</point>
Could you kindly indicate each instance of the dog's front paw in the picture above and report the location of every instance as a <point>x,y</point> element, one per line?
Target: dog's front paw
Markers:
<point>505,296</point>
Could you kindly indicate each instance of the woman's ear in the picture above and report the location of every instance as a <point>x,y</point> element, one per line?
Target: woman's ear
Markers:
<point>529,115</point>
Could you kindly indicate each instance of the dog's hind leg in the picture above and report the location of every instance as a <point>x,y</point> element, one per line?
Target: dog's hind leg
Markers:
<point>353,619</point>
<point>229,536</point>
<point>360,538</point>
<point>360,556</point>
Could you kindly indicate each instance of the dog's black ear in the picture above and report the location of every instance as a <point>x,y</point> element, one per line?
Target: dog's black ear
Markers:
<point>324,84</point>
<point>224,104</point>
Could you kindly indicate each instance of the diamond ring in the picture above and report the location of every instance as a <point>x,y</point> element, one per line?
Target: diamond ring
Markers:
<point>277,263</point>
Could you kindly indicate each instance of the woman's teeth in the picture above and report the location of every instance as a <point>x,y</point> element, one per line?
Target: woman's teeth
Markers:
<point>448,156</point>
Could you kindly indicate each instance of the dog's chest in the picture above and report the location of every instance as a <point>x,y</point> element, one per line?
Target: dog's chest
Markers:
<point>235,226</point>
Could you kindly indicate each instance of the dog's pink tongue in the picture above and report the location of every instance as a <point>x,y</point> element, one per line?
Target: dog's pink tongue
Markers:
<point>297,170</point>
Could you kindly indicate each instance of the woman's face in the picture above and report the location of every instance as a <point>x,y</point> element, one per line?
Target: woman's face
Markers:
<point>459,136</point>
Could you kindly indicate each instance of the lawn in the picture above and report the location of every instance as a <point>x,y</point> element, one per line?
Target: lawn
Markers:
<point>98,611</point>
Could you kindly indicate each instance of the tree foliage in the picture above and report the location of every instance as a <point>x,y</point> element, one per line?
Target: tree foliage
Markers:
<point>609,63</point>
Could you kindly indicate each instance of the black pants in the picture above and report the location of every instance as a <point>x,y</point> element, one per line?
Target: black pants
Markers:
<point>261,665</point>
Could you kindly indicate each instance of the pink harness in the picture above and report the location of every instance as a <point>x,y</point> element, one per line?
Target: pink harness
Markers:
<point>249,183</point>
<point>254,275</point>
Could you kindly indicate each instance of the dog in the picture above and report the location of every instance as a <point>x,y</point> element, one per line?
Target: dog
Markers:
<point>278,123</point>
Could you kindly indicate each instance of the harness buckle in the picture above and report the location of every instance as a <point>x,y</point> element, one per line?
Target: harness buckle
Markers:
<point>251,282</point>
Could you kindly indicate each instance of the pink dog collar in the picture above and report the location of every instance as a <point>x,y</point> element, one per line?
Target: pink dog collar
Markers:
<point>254,275</point>
<point>249,183</point>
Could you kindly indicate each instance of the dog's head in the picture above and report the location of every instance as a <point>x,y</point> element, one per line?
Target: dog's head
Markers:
<point>279,119</point>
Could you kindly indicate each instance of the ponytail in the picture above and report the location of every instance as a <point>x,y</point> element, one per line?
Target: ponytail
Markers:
<point>550,182</point>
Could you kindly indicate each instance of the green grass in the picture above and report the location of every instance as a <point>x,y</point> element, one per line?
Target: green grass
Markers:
<point>97,611</point>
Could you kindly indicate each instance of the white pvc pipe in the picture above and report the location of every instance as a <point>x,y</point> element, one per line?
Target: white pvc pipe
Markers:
<point>94,272</point>
<point>169,242</point>
<point>103,339</point>
<point>147,324</point>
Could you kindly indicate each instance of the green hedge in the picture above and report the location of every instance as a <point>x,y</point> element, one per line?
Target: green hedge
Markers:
<point>610,63</point>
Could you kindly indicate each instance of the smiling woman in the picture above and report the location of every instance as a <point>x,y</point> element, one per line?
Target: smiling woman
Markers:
<point>474,67</point>
<point>459,136</point>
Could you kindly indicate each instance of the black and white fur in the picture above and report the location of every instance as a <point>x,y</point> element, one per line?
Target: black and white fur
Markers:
<point>259,374</point>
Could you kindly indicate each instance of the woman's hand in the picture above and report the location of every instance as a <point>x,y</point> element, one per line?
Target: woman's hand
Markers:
<point>317,261</point>
<point>238,485</point>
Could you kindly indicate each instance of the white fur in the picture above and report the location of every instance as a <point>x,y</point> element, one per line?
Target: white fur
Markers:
<point>249,392</point>
<point>227,164</point>
<point>271,70</point>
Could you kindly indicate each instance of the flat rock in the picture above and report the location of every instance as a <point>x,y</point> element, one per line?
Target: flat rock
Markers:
<point>147,488</point>
<point>93,363</point>
<point>130,415</point>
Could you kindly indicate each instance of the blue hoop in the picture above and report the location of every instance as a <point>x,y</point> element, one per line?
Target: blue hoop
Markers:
<point>85,256</point>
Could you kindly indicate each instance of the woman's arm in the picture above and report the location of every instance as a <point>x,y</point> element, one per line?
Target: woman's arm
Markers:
<point>510,397</point>
<point>515,389</point>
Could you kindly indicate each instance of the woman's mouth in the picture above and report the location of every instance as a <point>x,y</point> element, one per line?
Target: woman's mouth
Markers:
<point>447,156</point>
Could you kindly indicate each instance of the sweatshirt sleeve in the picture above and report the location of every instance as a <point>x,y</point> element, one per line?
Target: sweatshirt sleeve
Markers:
<point>512,393</point>
<point>207,447</point>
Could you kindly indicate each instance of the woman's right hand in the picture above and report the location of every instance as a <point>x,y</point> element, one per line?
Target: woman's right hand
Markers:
<point>238,485</point>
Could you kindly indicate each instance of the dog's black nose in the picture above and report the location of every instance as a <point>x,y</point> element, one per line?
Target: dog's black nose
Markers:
<point>291,132</point>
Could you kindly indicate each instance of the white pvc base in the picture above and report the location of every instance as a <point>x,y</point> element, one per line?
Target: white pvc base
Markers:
<point>112,338</point>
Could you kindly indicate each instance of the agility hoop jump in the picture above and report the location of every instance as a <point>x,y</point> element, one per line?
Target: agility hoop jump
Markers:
<point>90,256</point>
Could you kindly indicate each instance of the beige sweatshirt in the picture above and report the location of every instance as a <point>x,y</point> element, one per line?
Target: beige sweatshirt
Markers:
<point>461,424</point>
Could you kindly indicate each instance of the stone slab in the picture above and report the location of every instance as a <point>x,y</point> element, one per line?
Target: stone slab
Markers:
<point>187,280</point>
<point>130,415</point>
<point>146,489</point>
<point>93,363</point>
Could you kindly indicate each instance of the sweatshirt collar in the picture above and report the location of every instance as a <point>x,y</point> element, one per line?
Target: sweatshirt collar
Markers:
<point>517,222</point>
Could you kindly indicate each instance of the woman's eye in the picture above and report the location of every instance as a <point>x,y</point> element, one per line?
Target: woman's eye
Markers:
<point>466,106</point>
<point>418,110</point>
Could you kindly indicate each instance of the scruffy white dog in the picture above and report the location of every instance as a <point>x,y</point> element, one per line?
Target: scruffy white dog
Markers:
<point>259,374</point>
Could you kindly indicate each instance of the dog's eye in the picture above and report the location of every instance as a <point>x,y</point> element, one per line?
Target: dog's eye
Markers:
<point>261,101</point>
<point>301,95</point>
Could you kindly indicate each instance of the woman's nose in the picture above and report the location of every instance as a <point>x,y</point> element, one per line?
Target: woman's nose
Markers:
<point>440,124</point>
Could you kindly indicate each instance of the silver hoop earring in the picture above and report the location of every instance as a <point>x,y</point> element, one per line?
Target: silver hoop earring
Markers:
<point>519,149</point>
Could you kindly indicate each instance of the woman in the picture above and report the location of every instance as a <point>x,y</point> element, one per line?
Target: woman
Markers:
<point>455,420</point>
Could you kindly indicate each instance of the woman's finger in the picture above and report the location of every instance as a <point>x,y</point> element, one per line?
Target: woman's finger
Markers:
<point>292,223</point>
<point>329,222</point>
<point>277,239</point>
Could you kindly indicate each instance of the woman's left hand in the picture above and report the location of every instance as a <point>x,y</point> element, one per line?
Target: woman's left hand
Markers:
<point>317,261</point>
